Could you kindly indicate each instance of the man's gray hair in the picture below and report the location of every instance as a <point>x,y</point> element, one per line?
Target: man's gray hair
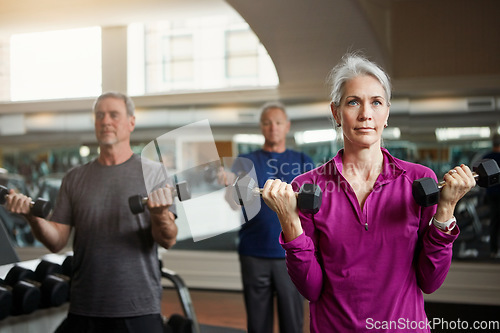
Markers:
<point>129,104</point>
<point>272,105</point>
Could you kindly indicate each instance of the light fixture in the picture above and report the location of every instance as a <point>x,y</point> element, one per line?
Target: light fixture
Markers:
<point>84,151</point>
<point>462,133</point>
<point>391,133</point>
<point>314,136</point>
<point>249,138</point>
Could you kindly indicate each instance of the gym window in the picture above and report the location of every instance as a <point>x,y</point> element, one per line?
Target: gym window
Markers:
<point>196,54</point>
<point>54,65</point>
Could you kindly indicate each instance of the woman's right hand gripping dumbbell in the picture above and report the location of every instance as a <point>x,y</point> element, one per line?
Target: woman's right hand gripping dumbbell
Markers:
<point>280,197</point>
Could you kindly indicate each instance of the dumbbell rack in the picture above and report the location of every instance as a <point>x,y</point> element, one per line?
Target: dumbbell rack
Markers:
<point>41,320</point>
<point>48,319</point>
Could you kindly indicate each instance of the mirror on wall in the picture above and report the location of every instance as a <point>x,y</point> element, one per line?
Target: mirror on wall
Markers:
<point>38,173</point>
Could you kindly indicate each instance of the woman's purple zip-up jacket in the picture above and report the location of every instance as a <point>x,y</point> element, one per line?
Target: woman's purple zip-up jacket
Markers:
<point>365,270</point>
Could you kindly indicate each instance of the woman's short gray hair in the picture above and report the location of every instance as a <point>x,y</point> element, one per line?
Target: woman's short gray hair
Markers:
<point>351,66</point>
<point>129,104</point>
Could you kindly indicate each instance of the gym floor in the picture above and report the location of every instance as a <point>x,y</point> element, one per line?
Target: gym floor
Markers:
<point>226,309</point>
<point>217,308</point>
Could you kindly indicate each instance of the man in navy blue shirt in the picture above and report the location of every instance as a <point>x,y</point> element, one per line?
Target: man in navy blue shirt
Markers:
<point>262,259</point>
<point>493,195</point>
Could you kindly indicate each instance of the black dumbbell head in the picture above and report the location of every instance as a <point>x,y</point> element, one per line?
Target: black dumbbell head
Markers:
<point>17,273</point>
<point>136,204</point>
<point>54,290</point>
<point>5,300</point>
<point>67,268</point>
<point>309,198</point>
<point>41,208</point>
<point>425,192</point>
<point>488,172</point>
<point>3,192</point>
<point>183,192</point>
<point>25,298</point>
<point>178,323</point>
<point>46,268</point>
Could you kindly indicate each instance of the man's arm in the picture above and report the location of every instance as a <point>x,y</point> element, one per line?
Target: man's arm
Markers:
<point>53,235</point>
<point>163,225</point>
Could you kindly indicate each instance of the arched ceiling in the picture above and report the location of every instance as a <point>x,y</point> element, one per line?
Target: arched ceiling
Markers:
<point>306,38</point>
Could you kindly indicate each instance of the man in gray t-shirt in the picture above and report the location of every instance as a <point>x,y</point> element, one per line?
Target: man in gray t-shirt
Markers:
<point>116,277</point>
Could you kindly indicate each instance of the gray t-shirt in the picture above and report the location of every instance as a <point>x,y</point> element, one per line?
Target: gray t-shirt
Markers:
<point>115,265</point>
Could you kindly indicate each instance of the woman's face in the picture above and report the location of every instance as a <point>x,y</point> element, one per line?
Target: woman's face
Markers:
<point>363,111</point>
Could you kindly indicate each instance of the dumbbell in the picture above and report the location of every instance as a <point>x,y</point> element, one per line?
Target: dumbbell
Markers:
<point>137,203</point>
<point>426,191</point>
<point>25,295</point>
<point>47,270</point>
<point>5,300</point>
<point>54,289</point>
<point>67,266</point>
<point>40,207</point>
<point>309,196</point>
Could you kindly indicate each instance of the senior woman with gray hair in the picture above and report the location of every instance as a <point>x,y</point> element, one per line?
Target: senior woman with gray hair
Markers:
<point>366,258</point>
